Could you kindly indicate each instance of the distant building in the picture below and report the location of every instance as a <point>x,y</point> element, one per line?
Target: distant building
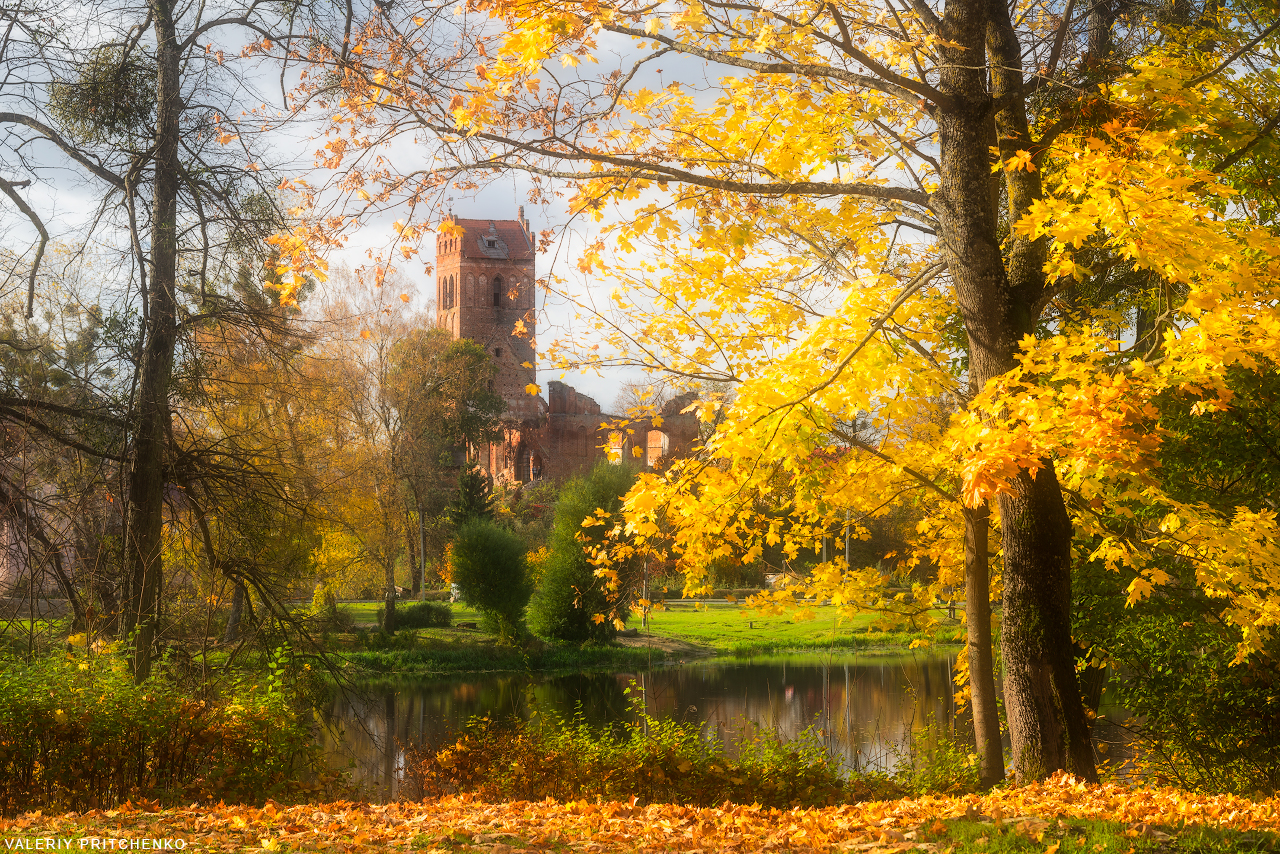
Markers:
<point>485,291</point>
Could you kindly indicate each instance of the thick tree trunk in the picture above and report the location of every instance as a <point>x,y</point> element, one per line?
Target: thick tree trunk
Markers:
<point>1000,290</point>
<point>144,564</point>
<point>238,596</point>
<point>1047,721</point>
<point>977,616</point>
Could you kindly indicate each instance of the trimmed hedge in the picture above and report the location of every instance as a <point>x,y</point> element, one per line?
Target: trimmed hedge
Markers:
<point>422,615</point>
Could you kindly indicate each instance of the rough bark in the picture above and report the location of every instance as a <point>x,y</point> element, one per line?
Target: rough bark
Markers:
<point>977,616</point>
<point>1042,699</point>
<point>1000,290</point>
<point>143,554</point>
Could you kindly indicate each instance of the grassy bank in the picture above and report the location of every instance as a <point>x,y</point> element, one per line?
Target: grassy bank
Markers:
<point>734,629</point>
<point>434,657</point>
<point>1060,816</point>
<point>711,629</point>
<point>446,651</point>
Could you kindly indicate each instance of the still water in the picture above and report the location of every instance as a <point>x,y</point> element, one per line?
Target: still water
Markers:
<point>862,707</point>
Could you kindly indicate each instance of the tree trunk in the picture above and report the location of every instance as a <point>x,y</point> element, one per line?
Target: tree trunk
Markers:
<point>421,576</point>
<point>147,472</point>
<point>1040,689</point>
<point>977,617</point>
<point>411,547</point>
<point>1000,304</point>
<point>238,595</point>
<point>389,610</point>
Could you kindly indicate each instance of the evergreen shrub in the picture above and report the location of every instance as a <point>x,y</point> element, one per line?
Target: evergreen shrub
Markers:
<point>489,570</point>
<point>569,593</point>
<point>424,615</point>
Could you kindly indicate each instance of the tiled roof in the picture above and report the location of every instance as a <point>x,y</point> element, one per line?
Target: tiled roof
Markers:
<point>499,239</point>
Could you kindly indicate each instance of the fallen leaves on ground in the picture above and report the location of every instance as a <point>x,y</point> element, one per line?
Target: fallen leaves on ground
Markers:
<point>508,828</point>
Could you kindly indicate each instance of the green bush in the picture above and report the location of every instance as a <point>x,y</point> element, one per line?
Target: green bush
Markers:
<point>424,615</point>
<point>1199,720</point>
<point>658,761</point>
<point>380,641</point>
<point>569,593</point>
<point>490,572</point>
<point>935,761</point>
<point>73,738</point>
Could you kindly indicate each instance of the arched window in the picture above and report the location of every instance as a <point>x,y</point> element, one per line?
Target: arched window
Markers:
<point>497,291</point>
<point>657,446</point>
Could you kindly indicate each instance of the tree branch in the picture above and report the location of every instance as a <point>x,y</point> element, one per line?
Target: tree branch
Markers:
<point>72,151</point>
<point>9,190</point>
<point>905,89</point>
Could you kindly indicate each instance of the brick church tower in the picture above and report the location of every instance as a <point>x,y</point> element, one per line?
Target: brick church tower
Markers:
<point>485,291</point>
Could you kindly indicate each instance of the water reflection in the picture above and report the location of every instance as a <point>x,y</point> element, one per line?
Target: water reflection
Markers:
<point>862,708</point>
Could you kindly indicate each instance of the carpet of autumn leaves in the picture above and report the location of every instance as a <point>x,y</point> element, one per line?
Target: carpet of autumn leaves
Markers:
<point>507,828</point>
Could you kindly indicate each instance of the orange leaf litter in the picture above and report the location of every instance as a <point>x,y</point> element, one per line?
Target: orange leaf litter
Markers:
<point>620,827</point>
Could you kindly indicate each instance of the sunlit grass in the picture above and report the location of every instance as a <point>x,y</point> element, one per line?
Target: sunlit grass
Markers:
<point>735,628</point>
<point>723,628</point>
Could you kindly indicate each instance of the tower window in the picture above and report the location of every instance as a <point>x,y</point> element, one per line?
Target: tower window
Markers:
<point>497,291</point>
<point>497,352</point>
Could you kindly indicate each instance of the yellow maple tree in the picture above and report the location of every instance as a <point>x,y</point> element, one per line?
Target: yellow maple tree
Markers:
<point>875,222</point>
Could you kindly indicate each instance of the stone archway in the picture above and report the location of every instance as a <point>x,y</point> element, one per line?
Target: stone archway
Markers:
<point>523,462</point>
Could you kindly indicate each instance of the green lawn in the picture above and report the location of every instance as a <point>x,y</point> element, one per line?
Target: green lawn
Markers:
<point>732,629</point>
<point>735,628</point>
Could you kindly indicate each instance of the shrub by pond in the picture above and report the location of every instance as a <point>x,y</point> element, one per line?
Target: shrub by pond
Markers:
<point>653,760</point>
<point>426,614</point>
<point>75,735</point>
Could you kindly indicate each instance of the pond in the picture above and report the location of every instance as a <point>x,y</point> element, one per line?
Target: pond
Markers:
<point>861,707</point>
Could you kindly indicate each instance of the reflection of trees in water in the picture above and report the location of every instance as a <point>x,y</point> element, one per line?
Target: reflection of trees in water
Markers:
<point>862,712</point>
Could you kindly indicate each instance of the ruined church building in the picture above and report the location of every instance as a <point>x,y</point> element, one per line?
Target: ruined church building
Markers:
<point>485,291</point>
